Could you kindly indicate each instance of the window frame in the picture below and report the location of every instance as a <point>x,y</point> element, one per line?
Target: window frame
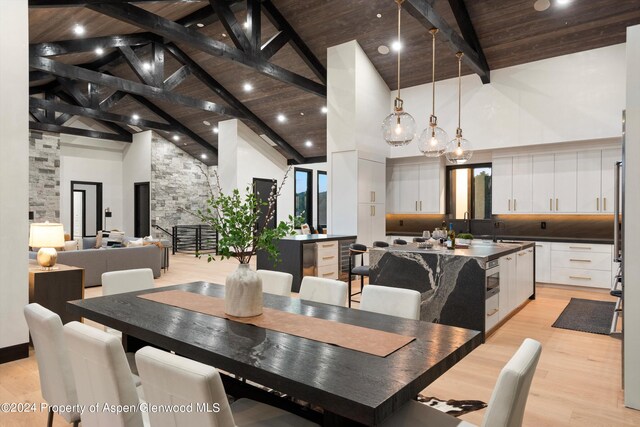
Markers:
<point>309,207</point>
<point>470,198</point>
<point>318,173</point>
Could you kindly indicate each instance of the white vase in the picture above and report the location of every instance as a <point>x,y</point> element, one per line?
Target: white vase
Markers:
<point>243,293</point>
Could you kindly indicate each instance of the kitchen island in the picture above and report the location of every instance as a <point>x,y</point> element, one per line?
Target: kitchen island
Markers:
<point>473,288</point>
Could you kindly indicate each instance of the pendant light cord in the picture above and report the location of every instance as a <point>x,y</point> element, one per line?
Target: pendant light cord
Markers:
<point>399,45</point>
<point>459,55</point>
<point>433,73</point>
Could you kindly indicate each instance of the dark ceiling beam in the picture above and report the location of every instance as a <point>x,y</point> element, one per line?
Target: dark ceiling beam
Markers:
<point>423,11</point>
<point>82,3</point>
<point>65,47</point>
<point>234,29</point>
<point>206,16</point>
<point>468,31</point>
<point>297,43</point>
<point>176,78</point>
<point>228,97</point>
<point>111,100</point>
<point>177,125</point>
<point>78,73</point>
<point>157,66</point>
<point>92,91</point>
<point>98,114</point>
<point>71,99</point>
<point>50,114</point>
<point>177,33</point>
<point>138,68</point>
<point>38,115</point>
<point>254,21</point>
<point>274,44</point>
<point>63,118</point>
<point>72,89</point>
<point>43,88</point>
<point>309,160</point>
<point>46,127</point>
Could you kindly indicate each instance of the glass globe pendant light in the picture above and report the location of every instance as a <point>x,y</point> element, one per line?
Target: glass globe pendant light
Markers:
<point>399,127</point>
<point>459,150</point>
<point>432,142</point>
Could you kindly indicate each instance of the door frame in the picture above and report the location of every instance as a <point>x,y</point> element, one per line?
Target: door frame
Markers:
<point>84,211</point>
<point>98,205</point>
<point>135,204</point>
<point>275,208</point>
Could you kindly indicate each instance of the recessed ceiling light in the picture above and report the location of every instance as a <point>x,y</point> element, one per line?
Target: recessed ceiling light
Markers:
<point>215,129</point>
<point>184,143</point>
<point>199,25</point>
<point>135,117</point>
<point>308,143</point>
<point>563,2</point>
<point>99,51</point>
<point>323,110</point>
<point>224,35</point>
<point>301,113</point>
<point>206,122</point>
<point>396,45</point>
<point>541,5</point>
<point>382,49</point>
<point>248,87</point>
<point>282,118</point>
<point>204,156</point>
<point>78,29</point>
<point>379,15</point>
<point>176,138</point>
<point>246,24</point>
<point>146,65</point>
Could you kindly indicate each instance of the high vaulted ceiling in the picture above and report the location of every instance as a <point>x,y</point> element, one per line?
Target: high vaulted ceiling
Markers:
<point>509,32</point>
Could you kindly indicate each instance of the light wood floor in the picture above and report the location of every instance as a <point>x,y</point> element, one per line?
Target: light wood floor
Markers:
<point>577,382</point>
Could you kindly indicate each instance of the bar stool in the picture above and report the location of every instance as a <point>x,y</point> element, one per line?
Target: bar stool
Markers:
<point>379,244</point>
<point>617,280</point>
<point>362,270</point>
<point>399,242</point>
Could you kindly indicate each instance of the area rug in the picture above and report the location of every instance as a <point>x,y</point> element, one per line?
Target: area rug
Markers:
<point>586,315</point>
<point>452,407</point>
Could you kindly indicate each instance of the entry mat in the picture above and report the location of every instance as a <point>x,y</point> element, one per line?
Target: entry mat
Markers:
<point>366,340</point>
<point>586,315</point>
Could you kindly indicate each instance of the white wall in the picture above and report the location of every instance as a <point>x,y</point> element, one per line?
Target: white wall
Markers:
<point>90,160</point>
<point>567,98</point>
<point>631,316</point>
<point>243,155</point>
<point>14,171</point>
<point>136,167</point>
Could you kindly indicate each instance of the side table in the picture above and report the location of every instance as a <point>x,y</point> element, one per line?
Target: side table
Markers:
<point>53,288</point>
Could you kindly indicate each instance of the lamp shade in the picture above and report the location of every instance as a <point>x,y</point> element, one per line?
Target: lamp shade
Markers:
<point>46,235</point>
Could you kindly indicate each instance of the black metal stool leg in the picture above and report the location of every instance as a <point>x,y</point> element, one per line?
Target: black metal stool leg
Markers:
<point>50,418</point>
<point>349,302</point>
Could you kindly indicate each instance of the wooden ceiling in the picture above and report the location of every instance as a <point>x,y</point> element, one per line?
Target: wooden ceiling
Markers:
<point>509,33</point>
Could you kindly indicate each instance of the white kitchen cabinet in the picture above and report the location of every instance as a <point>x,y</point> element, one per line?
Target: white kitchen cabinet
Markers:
<point>565,182</point>
<point>371,223</point>
<point>414,188</point>
<point>524,275</point>
<point>371,185</point>
<point>609,159</point>
<point>588,196</point>
<point>581,264</point>
<point>522,184</point>
<point>501,184</point>
<point>507,292</point>
<point>543,178</point>
<point>543,262</point>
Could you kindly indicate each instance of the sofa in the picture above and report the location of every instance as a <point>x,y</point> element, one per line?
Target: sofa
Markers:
<point>98,261</point>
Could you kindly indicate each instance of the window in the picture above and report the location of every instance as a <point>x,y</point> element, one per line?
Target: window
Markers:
<point>322,200</point>
<point>303,192</point>
<point>469,191</point>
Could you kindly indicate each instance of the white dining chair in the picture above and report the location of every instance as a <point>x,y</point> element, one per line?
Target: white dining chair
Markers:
<point>169,379</point>
<point>54,367</point>
<point>327,291</point>
<point>102,377</point>
<point>118,282</point>
<point>397,302</point>
<point>508,400</point>
<point>276,282</point>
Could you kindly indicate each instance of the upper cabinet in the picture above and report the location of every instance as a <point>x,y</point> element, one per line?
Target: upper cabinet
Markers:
<point>414,188</point>
<point>511,184</point>
<point>572,182</point>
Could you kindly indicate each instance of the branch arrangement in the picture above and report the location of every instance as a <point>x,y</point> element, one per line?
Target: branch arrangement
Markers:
<point>242,229</point>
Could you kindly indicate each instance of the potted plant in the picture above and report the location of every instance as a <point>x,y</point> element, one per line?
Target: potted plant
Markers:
<point>464,238</point>
<point>237,218</point>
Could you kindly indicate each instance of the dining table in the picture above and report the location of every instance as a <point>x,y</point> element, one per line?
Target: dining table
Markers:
<point>338,386</point>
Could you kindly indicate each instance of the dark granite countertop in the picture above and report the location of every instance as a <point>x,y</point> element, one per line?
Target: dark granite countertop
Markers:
<point>317,237</point>
<point>593,240</point>
<point>486,251</point>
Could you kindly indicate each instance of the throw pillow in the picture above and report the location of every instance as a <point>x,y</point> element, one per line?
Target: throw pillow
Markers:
<point>71,245</point>
<point>134,243</point>
<point>98,240</point>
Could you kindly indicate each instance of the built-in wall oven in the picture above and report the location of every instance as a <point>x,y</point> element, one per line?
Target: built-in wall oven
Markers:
<point>492,300</point>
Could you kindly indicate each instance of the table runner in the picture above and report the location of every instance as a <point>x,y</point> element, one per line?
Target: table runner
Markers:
<point>366,340</point>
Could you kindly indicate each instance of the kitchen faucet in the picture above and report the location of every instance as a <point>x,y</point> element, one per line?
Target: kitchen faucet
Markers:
<point>496,226</point>
<point>467,221</point>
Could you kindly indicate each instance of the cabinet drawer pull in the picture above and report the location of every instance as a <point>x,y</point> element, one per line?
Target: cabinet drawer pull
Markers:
<point>328,274</point>
<point>509,258</point>
<point>580,277</point>
<point>328,257</point>
<point>521,254</point>
<point>492,312</point>
<point>580,247</point>
<point>579,260</point>
<point>530,250</point>
<point>327,245</point>
<point>538,246</point>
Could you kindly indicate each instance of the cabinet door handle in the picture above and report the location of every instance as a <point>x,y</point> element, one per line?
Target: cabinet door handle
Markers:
<point>509,258</point>
<point>328,274</point>
<point>597,203</point>
<point>580,277</point>
<point>538,246</point>
<point>374,210</point>
<point>492,312</point>
<point>327,245</point>
<point>373,196</point>
<point>514,205</point>
<point>579,260</point>
<point>420,205</point>
<point>580,247</point>
<point>556,204</point>
<point>521,254</point>
<point>509,204</point>
<point>416,206</point>
<point>604,203</point>
<point>530,250</point>
<point>550,205</point>
<point>328,257</point>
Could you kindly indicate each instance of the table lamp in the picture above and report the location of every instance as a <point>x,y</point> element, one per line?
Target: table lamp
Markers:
<point>46,236</point>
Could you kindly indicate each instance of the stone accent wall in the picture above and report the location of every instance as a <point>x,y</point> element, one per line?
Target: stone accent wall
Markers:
<point>44,176</point>
<point>177,185</point>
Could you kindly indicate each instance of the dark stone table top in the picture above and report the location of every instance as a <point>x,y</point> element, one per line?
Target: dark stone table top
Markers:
<point>560,239</point>
<point>485,251</point>
<point>307,238</point>
<point>358,386</point>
